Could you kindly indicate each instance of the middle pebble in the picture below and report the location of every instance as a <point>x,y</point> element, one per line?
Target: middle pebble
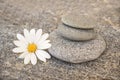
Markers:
<point>76,33</point>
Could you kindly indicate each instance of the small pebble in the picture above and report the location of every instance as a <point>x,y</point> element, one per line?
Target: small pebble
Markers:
<point>76,34</point>
<point>79,21</point>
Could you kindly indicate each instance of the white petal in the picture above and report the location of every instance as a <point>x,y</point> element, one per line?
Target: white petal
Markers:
<point>38,35</point>
<point>46,46</point>
<point>19,43</point>
<point>44,37</point>
<point>21,38</point>
<point>33,58</point>
<point>32,35</point>
<point>27,59</point>
<point>32,32</point>
<point>29,39</point>
<point>47,41</point>
<point>23,55</point>
<point>39,32</point>
<point>19,49</point>
<point>40,57</point>
<point>43,42</point>
<point>26,33</point>
<point>43,54</point>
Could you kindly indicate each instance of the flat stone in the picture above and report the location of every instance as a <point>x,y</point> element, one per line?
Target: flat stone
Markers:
<point>75,33</point>
<point>79,21</point>
<point>76,52</point>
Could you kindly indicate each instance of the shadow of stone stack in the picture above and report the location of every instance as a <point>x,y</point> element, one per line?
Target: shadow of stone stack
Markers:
<point>75,40</point>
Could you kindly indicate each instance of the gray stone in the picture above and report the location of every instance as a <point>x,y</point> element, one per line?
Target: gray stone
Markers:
<point>79,21</point>
<point>76,52</point>
<point>75,33</point>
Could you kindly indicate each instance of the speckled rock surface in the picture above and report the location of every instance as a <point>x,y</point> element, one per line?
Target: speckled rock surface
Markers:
<point>76,34</point>
<point>79,21</point>
<point>46,15</point>
<point>76,52</point>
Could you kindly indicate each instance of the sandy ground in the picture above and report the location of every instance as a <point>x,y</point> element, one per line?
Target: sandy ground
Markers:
<point>46,14</point>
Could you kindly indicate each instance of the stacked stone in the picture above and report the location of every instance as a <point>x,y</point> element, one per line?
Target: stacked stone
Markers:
<point>75,40</point>
<point>74,27</point>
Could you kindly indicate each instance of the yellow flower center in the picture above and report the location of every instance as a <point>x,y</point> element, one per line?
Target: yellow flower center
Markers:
<point>32,48</point>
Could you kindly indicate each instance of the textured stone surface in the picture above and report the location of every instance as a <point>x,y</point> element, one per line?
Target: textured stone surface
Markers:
<point>76,52</point>
<point>79,21</point>
<point>46,15</point>
<point>75,34</point>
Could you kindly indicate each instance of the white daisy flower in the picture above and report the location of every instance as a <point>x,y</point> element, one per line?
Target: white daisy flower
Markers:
<point>32,46</point>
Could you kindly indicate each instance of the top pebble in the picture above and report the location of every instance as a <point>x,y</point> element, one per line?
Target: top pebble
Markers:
<point>79,21</point>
